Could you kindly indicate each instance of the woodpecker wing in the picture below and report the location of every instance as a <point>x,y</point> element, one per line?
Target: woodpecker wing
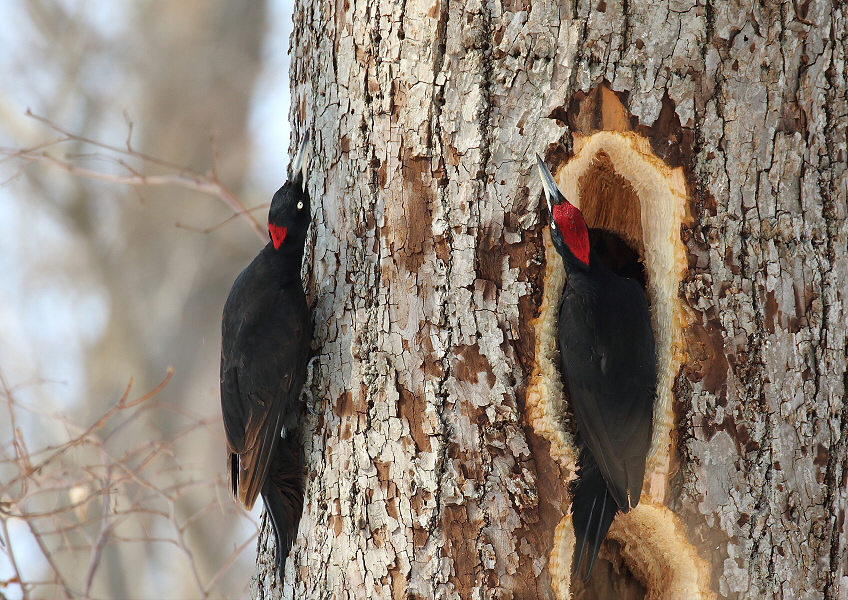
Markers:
<point>263,366</point>
<point>609,364</point>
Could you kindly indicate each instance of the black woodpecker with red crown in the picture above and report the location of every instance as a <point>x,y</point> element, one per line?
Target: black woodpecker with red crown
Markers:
<point>609,369</point>
<point>266,345</point>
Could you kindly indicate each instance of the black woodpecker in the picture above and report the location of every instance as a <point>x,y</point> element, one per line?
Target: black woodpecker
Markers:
<point>609,368</point>
<point>266,344</point>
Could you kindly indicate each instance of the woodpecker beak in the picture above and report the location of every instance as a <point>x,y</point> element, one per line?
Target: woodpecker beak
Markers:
<point>300,166</point>
<point>549,185</point>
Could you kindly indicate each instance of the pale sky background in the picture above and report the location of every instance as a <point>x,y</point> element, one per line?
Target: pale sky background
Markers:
<point>37,315</point>
<point>50,315</point>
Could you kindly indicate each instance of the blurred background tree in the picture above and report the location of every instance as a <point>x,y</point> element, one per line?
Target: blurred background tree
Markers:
<point>100,285</point>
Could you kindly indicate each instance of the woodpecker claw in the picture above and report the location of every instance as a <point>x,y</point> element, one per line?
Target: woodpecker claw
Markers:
<point>309,400</point>
<point>310,366</point>
<point>306,392</point>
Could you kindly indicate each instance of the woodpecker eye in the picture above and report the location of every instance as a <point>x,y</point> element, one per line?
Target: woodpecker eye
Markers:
<point>299,205</point>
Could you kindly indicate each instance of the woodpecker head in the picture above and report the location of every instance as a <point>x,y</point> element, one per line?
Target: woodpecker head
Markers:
<point>289,216</point>
<point>569,231</point>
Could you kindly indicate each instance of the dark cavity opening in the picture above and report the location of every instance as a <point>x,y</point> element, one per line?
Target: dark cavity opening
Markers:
<point>619,257</point>
<point>610,579</point>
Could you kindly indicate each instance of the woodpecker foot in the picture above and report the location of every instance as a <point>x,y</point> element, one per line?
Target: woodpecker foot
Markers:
<point>307,389</point>
<point>312,406</point>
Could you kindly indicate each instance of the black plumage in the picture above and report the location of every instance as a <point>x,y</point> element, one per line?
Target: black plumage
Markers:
<point>609,368</point>
<point>266,345</point>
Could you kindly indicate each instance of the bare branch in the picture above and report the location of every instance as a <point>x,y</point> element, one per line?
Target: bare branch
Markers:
<point>102,539</point>
<point>53,487</point>
<point>124,404</point>
<point>180,175</point>
<point>222,223</point>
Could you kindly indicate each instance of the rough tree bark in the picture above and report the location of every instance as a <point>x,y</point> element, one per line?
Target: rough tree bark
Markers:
<point>431,473</point>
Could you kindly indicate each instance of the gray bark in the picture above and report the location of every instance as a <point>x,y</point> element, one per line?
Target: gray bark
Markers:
<point>431,473</point>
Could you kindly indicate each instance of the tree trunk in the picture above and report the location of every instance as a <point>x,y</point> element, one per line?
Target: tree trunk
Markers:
<point>709,138</point>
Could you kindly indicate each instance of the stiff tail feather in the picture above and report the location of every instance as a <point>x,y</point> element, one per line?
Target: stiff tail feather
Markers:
<point>282,494</point>
<point>593,510</point>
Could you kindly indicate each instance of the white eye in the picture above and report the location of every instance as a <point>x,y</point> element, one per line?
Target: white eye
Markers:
<point>299,205</point>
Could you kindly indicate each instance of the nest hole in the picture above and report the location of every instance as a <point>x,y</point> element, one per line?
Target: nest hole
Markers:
<point>611,579</point>
<point>618,255</point>
<point>634,206</point>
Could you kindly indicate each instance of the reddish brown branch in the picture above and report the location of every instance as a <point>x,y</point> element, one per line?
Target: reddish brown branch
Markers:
<point>53,486</point>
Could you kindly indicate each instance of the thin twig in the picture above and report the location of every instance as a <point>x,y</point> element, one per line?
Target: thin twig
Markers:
<point>222,223</point>
<point>10,552</point>
<point>46,476</point>
<point>182,176</point>
<point>233,556</point>
<point>48,556</point>
<point>102,538</point>
<point>124,404</point>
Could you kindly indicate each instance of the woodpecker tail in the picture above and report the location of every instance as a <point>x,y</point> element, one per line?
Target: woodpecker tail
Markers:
<point>282,494</point>
<point>593,510</point>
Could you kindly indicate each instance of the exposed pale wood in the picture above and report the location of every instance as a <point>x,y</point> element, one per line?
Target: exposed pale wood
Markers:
<point>621,186</point>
